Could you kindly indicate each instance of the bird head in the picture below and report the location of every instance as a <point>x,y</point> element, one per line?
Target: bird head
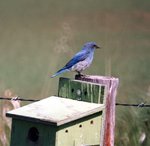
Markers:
<point>90,46</point>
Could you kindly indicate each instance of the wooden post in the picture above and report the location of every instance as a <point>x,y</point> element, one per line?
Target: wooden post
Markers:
<point>111,84</point>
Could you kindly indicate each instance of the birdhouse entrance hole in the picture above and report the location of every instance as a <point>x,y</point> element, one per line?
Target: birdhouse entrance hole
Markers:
<point>33,134</point>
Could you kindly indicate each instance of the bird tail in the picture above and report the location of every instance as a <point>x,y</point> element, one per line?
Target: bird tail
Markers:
<point>59,72</point>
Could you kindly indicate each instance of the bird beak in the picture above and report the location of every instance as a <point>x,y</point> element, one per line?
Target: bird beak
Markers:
<point>97,47</point>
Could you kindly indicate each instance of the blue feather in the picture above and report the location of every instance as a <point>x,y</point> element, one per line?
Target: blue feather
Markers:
<point>80,56</point>
<point>59,72</point>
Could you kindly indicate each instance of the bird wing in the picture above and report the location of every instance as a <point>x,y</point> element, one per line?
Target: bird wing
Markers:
<point>80,56</point>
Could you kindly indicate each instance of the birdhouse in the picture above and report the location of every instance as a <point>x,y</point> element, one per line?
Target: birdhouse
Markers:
<point>56,121</point>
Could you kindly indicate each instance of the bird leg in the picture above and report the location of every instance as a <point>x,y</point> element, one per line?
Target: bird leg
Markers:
<point>79,75</point>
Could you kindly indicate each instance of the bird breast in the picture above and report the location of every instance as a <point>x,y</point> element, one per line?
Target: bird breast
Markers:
<point>82,65</point>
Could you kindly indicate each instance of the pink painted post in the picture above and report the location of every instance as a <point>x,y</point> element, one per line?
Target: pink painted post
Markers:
<point>111,84</point>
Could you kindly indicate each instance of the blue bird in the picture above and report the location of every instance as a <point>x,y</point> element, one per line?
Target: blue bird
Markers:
<point>81,60</point>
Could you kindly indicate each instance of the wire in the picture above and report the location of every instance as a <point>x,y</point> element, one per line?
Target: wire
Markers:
<point>135,105</point>
<point>18,98</point>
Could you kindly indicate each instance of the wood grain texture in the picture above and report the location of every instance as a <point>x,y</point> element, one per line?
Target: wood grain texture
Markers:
<point>81,90</point>
<point>111,84</point>
<point>20,133</point>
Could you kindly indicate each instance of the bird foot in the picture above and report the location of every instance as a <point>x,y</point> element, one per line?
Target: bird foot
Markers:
<point>80,76</point>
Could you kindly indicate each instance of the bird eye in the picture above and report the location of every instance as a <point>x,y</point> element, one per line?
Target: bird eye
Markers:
<point>94,46</point>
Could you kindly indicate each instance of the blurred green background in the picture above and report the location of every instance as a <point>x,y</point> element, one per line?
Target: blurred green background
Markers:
<point>37,37</point>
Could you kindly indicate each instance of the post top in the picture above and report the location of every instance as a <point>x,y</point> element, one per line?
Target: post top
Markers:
<point>55,110</point>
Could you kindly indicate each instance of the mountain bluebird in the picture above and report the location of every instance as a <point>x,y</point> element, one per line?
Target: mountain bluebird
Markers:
<point>81,60</point>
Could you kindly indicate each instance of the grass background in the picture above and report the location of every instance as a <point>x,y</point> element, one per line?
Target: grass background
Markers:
<point>37,37</point>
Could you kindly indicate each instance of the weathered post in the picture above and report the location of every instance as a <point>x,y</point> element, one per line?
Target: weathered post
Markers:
<point>111,84</point>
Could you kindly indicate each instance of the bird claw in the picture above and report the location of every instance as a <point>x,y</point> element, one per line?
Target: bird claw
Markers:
<point>79,76</point>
